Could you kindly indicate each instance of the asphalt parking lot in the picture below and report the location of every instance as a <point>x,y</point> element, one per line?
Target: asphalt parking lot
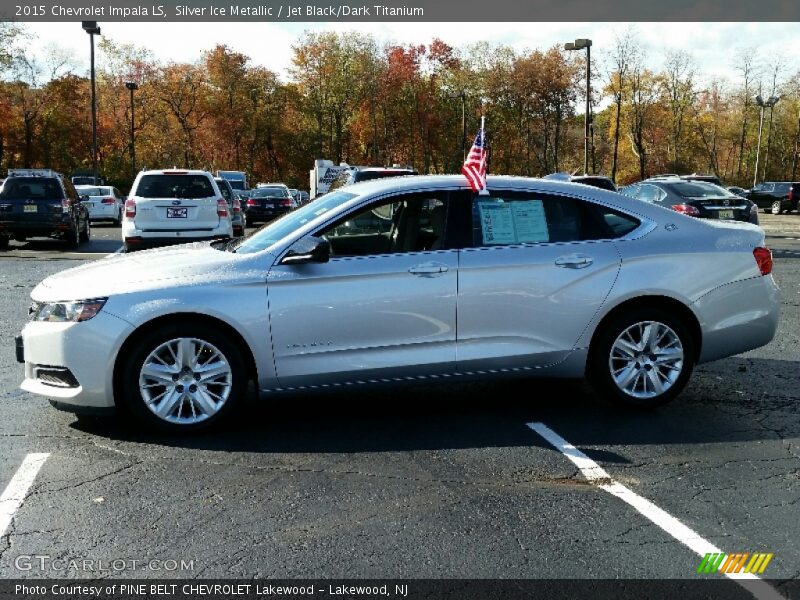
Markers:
<point>445,481</point>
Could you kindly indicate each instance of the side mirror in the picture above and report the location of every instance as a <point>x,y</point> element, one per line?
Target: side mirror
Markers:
<point>308,249</point>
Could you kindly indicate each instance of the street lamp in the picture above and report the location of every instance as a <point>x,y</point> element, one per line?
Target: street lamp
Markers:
<point>770,102</point>
<point>769,137</point>
<point>132,85</point>
<point>92,29</point>
<point>580,44</point>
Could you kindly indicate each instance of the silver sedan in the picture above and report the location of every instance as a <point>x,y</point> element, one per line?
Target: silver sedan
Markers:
<point>400,279</point>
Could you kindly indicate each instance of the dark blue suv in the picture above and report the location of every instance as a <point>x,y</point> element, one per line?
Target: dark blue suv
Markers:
<point>41,203</point>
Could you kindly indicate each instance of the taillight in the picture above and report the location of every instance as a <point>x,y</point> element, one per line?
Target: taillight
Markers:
<point>686,209</point>
<point>130,208</point>
<point>791,193</point>
<point>286,202</point>
<point>763,258</point>
<point>108,200</point>
<point>237,206</point>
<point>252,202</point>
<point>222,208</point>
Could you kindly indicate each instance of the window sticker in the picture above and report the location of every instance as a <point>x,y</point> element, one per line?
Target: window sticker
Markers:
<point>530,224</point>
<point>521,222</point>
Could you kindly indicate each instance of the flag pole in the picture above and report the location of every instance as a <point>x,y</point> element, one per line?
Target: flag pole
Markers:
<point>484,191</point>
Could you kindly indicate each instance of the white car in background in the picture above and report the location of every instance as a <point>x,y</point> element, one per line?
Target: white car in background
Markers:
<point>105,202</point>
<point>172,207</point>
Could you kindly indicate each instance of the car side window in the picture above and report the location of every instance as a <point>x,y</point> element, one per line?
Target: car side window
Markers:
<point>649,193</point>
<point>512,218</point>
<point>70,190</point>
<point>632,191</point>
<point>409,223</point>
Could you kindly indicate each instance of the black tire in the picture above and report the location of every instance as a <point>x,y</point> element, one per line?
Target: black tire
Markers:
<point>118,221</point>
<point>86,234</point>
<point>131,397</point>
<point>600,358</point>
<point>73,237</point>
<point>777,208</point>
<point>4,242</point>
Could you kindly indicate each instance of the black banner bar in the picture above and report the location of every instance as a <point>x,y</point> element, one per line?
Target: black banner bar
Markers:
<point>401,10</point>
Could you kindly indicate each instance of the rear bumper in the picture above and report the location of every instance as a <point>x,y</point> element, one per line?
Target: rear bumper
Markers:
<point>104,212</point>
<point>140,243</point>
<point>738,317</point>
<point>261,214</point>
<point>34,228</point>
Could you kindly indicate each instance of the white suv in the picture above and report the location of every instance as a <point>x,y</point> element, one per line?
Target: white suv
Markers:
<point>172,207</point>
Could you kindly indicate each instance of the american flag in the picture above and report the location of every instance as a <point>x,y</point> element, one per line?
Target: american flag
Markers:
<point>474,168</point>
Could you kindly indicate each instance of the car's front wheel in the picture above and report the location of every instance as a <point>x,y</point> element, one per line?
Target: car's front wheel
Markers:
<point>183,378</point>
<point>642,359</point>
<point>777,207</point>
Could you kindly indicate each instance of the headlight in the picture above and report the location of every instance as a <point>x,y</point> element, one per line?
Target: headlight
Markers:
<point>63,312</point>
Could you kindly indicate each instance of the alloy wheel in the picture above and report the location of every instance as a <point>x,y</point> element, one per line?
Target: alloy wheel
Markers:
<point>185,381</point>
<point>646,359</point>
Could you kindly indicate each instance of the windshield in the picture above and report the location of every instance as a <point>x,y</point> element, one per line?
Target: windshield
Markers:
<point>269,192</point>
<point>280,228</point>
<point>175,186</point>
<point>699,189</point>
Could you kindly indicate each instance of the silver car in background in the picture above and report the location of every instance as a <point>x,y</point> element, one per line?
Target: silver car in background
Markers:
<point>400,279</point>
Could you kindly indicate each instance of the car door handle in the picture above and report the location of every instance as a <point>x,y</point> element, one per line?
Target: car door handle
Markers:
<point>574,261</point>
<point>429,269</point>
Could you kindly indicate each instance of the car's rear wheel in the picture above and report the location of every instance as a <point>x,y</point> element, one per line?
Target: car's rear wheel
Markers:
<point>183,378</point>
<point>118,221</point>
<point>73,237</point>
<point>4,242</point>
<point>777,207</point>
<point>86,234</point>
<point>642,359</point>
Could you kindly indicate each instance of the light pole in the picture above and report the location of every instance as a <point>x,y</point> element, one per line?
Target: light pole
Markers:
<point>92,29</point>
<point>769,136</point>
<point>770,102</point>
<point>132,85</point>
<point>580,44</point>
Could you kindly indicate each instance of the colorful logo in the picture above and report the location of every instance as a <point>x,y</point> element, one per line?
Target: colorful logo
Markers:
<point>743,562</point>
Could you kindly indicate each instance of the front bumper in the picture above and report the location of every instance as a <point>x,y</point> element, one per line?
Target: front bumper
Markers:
<point>88,350</point>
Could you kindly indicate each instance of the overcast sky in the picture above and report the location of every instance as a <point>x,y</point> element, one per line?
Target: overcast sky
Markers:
<point>713,45</point>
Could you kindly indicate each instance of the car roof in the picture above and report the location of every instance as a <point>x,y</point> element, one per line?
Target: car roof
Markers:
<point>450,182</point>
<point>176,172</point>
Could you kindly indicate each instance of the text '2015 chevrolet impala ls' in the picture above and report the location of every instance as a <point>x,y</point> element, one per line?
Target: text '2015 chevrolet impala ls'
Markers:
<point>406,278</point>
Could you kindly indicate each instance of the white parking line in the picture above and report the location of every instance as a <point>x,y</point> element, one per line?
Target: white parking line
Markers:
<point>18,487</point>
<point>686,536</point>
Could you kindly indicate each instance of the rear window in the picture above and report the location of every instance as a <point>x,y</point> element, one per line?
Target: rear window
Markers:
<point>31,188</point>
<point>95,191</point>
<point>270,192</point>
<point>698,189</point>
<point>174,186</point>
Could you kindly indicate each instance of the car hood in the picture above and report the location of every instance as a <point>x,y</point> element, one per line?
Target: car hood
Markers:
<point>189,264</point>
